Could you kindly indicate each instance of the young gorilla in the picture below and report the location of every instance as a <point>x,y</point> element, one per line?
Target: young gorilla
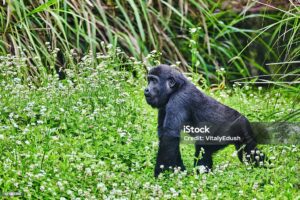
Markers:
<point>180,103</point>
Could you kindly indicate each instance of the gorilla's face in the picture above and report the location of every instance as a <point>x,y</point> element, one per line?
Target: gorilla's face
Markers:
<point>155,92</point>
<point>162,82</point>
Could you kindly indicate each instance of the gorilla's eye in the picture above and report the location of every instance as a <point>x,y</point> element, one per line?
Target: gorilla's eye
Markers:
<point>153,80</point>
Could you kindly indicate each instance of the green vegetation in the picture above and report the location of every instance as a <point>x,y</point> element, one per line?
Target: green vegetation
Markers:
<point>88,132</point>
<point>81,137</point>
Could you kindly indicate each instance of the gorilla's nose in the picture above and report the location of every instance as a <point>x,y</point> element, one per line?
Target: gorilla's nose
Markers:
<point>147,92</point>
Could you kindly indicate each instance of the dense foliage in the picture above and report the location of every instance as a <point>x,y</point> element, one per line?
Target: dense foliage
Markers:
<point>203,36</point>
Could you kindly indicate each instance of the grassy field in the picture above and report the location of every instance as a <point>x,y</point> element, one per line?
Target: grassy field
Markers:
<point>73,120</point>
<point>92,136</point>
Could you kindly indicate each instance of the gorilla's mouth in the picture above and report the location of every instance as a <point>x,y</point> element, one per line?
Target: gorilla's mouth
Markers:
<point>150,100</point>
<point>148,96</point>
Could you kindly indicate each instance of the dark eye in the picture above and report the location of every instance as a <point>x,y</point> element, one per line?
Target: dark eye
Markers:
<point>153,80</point>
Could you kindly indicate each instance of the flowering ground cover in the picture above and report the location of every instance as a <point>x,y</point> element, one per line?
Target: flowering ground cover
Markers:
<point>92,136</point>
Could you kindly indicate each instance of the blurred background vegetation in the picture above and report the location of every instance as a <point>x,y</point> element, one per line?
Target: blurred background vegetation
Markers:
<point>245,38</point>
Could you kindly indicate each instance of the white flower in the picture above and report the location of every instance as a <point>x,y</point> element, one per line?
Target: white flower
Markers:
<point>202,169</point>
<point>255,186</point>
<point>147,185</point>
<point>109,46</point>
<point>88,171</point>
<point>69,192</point>
<point>172,190</point>
<point>122,134</point>
<point>11,115</point>
<point>101,187</point>
<point>1,137</point>
<point>234,154</point>
<point>55,137</point>
<point>193,30</point>
<point>261,154</point>
<point>101,163</point>
<point>59,184</point>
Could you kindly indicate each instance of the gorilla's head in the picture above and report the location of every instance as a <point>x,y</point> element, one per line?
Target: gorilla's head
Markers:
<point>163,81</point>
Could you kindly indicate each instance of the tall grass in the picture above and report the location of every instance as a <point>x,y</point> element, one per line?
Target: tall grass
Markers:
<point>201,35</point>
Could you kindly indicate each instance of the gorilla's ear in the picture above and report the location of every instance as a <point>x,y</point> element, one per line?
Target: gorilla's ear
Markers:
<point>176,81</point>
<point>172,82</point>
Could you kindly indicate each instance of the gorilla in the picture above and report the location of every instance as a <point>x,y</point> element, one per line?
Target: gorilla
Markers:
<point>181,104</point>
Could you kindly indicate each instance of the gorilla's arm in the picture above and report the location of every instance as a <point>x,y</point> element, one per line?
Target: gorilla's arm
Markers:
<point>170,120</point>
<point>161,118</point>
<point>168,154</point>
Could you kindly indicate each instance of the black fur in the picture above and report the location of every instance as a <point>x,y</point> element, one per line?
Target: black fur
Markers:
<point>180,103</point>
